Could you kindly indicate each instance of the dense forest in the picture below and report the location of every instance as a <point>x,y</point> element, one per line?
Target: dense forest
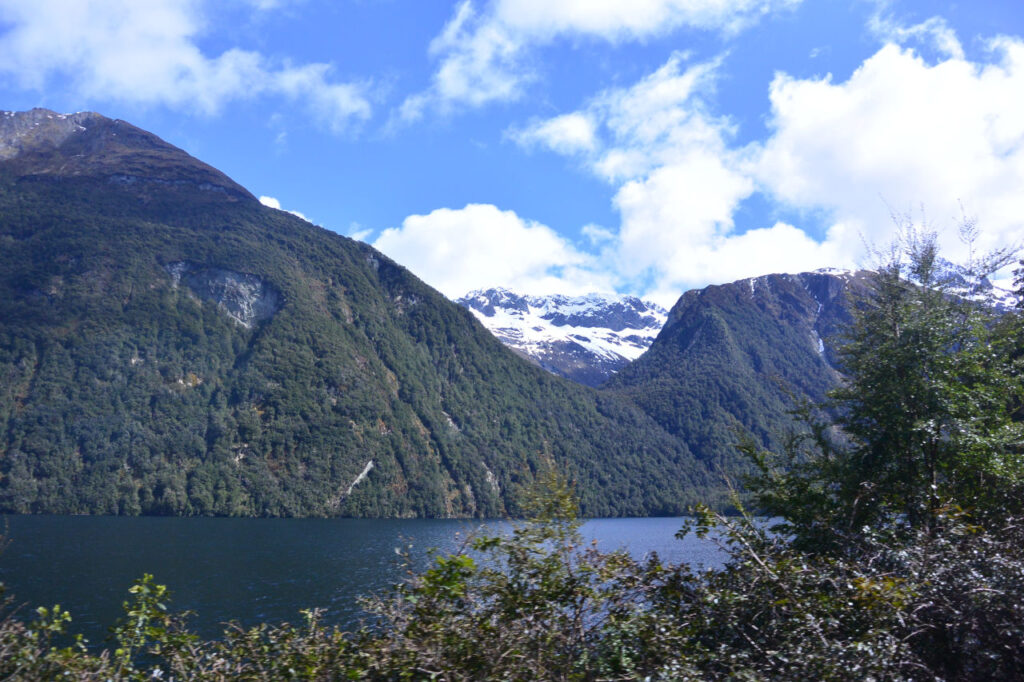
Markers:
<point>900,554</point>
<point>168,345</point>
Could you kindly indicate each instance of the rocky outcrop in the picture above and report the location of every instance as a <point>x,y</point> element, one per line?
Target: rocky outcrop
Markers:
<point>246,298</point>
<point>39,129</point>
<point>44,144</point>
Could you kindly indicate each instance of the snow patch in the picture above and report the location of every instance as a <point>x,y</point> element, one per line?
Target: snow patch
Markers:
<point>837,272</point>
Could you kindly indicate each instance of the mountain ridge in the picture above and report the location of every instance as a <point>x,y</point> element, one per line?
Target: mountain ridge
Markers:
<point>44,143</point>
<point>733,360</point>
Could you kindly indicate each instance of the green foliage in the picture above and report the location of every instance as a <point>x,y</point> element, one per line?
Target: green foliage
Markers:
<point>943,600</point>
<point>1018,281</point>
<point>151,643</point>
<point>529,605</point>
<point>927,413</point>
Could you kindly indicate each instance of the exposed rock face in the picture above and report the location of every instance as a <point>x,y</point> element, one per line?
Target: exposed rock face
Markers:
<point>39,129</point>
<point>43,143</point>
<point>246,298</point>
<point>584,338</point>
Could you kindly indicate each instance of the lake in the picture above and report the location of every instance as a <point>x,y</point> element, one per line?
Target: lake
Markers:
<point>254,570</point>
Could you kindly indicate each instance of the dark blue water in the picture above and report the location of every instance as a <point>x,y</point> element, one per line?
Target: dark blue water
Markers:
<point>254,570</point>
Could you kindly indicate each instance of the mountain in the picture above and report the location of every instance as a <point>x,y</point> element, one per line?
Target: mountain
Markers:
<point>585,338</point>
<point>168,345</point>
<point>735,358</point>
<point>42,143</point>
<point>959,281</point>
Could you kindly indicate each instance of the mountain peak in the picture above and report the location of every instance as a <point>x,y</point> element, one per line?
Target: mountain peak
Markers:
<point>584,338</point>
<point>39,129</point>
<point>44,143</point>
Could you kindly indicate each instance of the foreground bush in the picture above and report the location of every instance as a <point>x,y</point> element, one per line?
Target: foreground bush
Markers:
<point>541,605</point>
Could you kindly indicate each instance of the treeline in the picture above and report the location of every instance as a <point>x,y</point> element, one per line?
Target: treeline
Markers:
<point>900,555</point>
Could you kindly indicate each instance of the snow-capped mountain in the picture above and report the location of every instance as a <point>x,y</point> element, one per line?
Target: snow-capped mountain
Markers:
<point>960,281</point>
<point>583,338</point>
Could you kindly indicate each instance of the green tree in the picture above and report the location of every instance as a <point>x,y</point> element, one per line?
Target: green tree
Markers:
<point>925,416</point>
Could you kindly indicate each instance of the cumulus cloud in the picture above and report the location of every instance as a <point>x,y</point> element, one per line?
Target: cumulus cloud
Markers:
<point>148,53</point>
<point>677,179</point>
<point>675,216</point>
<point>479,246</point>
<point>900,133</point>
<point>482,54</point>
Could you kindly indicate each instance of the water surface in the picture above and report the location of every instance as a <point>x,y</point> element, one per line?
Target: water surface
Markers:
<point>254,570</point>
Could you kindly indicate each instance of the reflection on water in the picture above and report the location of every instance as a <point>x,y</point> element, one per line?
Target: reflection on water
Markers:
<point>254,570</point>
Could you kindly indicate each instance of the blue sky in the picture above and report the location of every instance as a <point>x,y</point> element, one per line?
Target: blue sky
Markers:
<point>640,146</point>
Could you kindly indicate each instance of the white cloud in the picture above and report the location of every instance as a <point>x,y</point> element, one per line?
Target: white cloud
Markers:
<point>479,246</point>
<point>933,32</point>
<point>596,234</point>
<point>905,133</point>
<point>147,53</point>
<point>265,5</point>
<point>674,217</point>
<point>678,181</point>
<point>483,54</point>
<point>616,21</point>
<point>274,203</point>
<point>899,133</point>
<point>477,60</point>
<point>566,134</point>
<point>358,232</point>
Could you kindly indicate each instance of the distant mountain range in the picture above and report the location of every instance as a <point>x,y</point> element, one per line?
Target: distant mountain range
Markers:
<point>727,360</point>
<point>583,338</point>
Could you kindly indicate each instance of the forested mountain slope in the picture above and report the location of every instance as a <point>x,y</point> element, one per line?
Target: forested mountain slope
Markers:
<point>168,345</point>
<point>735,358</point>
